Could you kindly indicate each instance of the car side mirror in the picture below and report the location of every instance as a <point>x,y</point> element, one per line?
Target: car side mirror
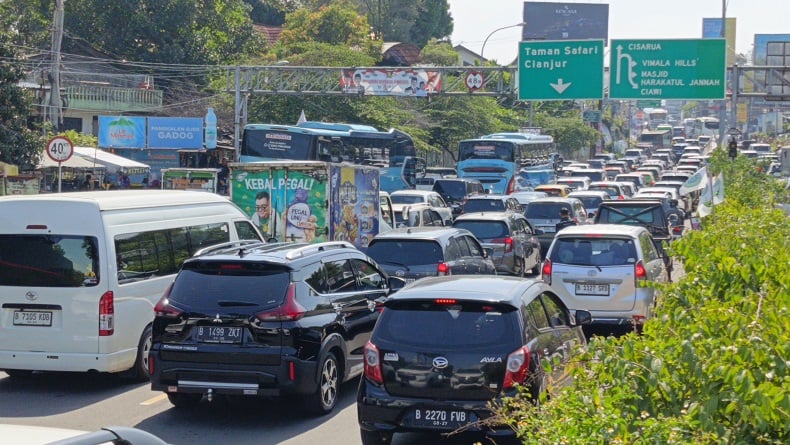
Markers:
<point>583,317</point>
<point>538,232</point>
<point>395,284</point>
<point>488,252</point>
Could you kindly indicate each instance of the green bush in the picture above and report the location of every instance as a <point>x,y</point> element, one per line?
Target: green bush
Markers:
<point>711,367</point>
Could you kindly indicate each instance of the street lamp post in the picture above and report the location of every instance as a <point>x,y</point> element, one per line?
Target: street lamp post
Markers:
<point>482,50</point>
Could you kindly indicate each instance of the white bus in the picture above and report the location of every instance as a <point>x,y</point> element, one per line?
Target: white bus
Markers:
<point>80,273</point>
<point>706,126</point>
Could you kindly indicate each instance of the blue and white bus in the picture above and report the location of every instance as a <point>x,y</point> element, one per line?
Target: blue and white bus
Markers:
<point>495,159</point>
<point>393,151</point>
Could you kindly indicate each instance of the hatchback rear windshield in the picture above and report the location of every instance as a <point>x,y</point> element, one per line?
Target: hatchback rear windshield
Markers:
<point>545,210</point>
<point>484,230</point>
<point>407,199</point>
<point>448,325</point>
<point>209,285</point>
<point>49,260</point>
<point>484,205</point>
<point>405,251</point>
<point>638,215</point>
<point>593,251</point>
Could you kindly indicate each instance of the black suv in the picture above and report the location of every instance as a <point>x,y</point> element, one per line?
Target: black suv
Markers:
<point>445,347</point>
<point>454,191</point>
<point>255,319</point>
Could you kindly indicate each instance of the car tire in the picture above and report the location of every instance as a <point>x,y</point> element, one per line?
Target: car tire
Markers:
<point>139,371</point>
<point>325,397</point>
<point>535,271</point>
<point>375,437</point>
<point>184,401</point>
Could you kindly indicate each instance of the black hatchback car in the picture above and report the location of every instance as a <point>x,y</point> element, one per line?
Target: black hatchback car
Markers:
<point>266,320</point>
<point>445,347</point>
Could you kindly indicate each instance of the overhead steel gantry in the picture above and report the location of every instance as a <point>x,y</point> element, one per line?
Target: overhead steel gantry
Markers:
<point>771,83</point>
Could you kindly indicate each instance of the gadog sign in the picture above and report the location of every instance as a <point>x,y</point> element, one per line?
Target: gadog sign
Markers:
<point>175,132</point>
<point>162,132</point>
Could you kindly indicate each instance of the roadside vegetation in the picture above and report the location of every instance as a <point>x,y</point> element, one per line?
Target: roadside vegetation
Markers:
<point>712,366</point>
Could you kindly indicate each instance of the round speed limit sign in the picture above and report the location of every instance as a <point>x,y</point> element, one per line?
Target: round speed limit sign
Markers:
<point>60,149</point>
<point>474,80</point>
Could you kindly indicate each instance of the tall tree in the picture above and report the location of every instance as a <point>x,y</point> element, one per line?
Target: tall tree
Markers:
<point>19,144</point>
<point>433,22</point>
<point>408,21</point>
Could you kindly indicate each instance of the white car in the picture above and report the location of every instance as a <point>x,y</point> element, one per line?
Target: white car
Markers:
<point>41,435</point>
<point>404,198</point>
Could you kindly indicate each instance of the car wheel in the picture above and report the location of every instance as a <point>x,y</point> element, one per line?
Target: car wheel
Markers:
<point>184,401</point>
<point>325,397</point>
<point>140,369</point>
<point>536,269</point>
<point>375,437</point>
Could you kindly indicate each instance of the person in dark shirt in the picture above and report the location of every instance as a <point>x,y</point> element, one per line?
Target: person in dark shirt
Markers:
<point>565,219</point>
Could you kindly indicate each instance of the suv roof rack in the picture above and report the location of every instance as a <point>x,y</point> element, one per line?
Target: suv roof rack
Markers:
<point>315,248</point>
<point>244,244</point>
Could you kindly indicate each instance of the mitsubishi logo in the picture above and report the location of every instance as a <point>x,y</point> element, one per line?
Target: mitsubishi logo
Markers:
<point>216,319</point>
<point>440,362</point>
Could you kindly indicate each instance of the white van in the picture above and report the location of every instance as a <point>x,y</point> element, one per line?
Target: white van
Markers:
<point>80,273</point>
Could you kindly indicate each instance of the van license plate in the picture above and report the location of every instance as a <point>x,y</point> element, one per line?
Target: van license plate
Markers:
<point>32,318</point>
<point>441,418</point>
<point>592,289</point>
<point>218,334</point>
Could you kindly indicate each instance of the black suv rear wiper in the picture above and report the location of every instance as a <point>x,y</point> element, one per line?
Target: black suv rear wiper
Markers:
<point>229,303</point>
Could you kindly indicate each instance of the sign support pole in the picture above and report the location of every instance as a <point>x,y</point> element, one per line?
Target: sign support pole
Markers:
<point>60,176</point>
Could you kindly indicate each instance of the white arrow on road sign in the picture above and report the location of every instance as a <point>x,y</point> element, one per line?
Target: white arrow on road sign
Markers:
<point>560,87</point>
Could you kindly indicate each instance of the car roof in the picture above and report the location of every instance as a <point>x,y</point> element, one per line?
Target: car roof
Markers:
<point>487,216</point>
<point>588,193</point>
<point>560,199</point>
<point>422,233</point>
<point>500,289</point>
<point>413,192</point>
<point>282,253</point>
<point>602,229</point>
<point>489,196</point>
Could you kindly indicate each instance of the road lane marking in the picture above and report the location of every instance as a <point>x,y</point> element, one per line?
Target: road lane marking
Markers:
<point>154,400</point>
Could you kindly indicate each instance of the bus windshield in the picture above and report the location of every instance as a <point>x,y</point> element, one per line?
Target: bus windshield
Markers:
<point>488,149</point>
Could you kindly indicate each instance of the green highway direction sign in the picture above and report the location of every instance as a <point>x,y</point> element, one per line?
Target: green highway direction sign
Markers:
<point>667,69</point>
<point>560,69</point>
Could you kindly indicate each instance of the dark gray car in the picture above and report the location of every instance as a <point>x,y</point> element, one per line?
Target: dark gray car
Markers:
<point>514,247</point>
<point>416,252</point>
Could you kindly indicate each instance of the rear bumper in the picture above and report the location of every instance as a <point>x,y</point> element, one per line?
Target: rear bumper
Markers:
<point>378,410</point>
<point>291,376</point>
<point>68,362</point>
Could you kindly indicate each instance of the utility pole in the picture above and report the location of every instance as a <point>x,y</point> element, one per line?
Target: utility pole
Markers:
<point>723,102</point>
<point>55,104</point>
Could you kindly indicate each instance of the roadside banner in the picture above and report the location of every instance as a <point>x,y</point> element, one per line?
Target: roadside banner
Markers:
<point>697,181</point>
<point>711,195</point>
<point>391,82</point>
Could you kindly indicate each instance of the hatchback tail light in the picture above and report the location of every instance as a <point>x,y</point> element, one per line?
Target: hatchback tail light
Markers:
<point>546,271</point>
<point>163,307</point>
<point>106,314</point>
<point>443,269</point>
<point>640,273</point>
<point>507,241</point>
<point>517,368</point>
<point>373,364</point>
<point>289,310</point>
<point>511,186</point>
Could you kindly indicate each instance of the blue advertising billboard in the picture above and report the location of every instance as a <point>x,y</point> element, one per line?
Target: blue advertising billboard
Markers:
<point>764,57</point>
<point>565,21</point>
<point>121,132</point>
<point>175,132</point>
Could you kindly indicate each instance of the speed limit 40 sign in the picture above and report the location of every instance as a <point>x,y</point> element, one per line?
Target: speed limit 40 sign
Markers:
<point>60,149</point>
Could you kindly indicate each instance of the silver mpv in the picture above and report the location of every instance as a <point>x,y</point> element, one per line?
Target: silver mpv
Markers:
<point>604,268</point>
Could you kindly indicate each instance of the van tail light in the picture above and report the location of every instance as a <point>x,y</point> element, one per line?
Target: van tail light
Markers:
<point>511,186</point>
<point>373,363</point>
<point>106,314</point>
<point>443,269</point>
<point>620,197</point>
<point>546,271</point>
<point>640,273</point>
<point>163,307</point>
<point>507,241</point>
<point>289,310</point>
<point>517,368</point>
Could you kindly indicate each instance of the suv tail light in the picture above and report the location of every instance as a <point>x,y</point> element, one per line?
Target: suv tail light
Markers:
<point>106,314</point>
<point>289,310</point>
<point>640,273</point>
<point>443,269</point>
<point>546,271</point>
<point>517,367</point>
<point>507,241</point>
<point>163,307</point>
<point>373,363</point>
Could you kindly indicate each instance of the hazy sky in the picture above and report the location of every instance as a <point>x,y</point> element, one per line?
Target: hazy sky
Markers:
<point>628,19</point>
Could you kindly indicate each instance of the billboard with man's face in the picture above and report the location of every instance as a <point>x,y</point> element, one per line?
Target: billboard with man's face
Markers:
<point>565,21</point>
